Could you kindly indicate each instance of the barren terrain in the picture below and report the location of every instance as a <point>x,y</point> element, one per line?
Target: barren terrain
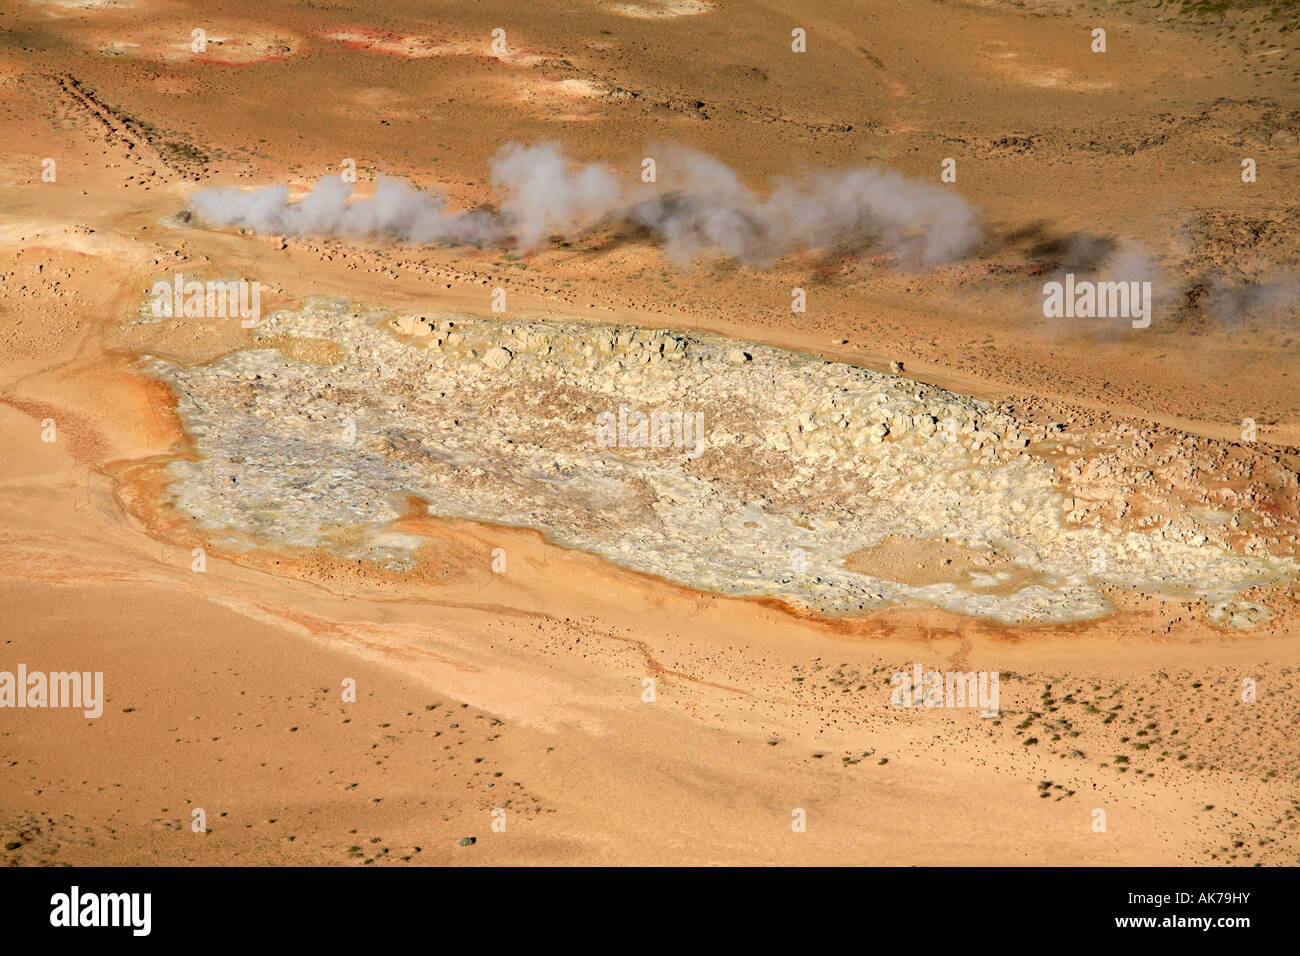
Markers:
<point>658,651</point>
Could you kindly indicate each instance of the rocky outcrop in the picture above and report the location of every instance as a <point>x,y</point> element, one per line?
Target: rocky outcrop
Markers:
<point>726,466</point>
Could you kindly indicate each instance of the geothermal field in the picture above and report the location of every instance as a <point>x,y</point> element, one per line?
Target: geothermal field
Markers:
<point>656,433</point>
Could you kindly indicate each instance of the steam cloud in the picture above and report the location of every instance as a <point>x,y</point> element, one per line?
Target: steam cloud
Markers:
<point>700,205</point>
<point>1268,299</point>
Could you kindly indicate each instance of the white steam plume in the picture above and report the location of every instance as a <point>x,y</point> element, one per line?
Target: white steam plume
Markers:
<point>700,206</point>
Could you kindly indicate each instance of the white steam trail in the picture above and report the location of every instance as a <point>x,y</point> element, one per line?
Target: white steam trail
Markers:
<point>700,205</point>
